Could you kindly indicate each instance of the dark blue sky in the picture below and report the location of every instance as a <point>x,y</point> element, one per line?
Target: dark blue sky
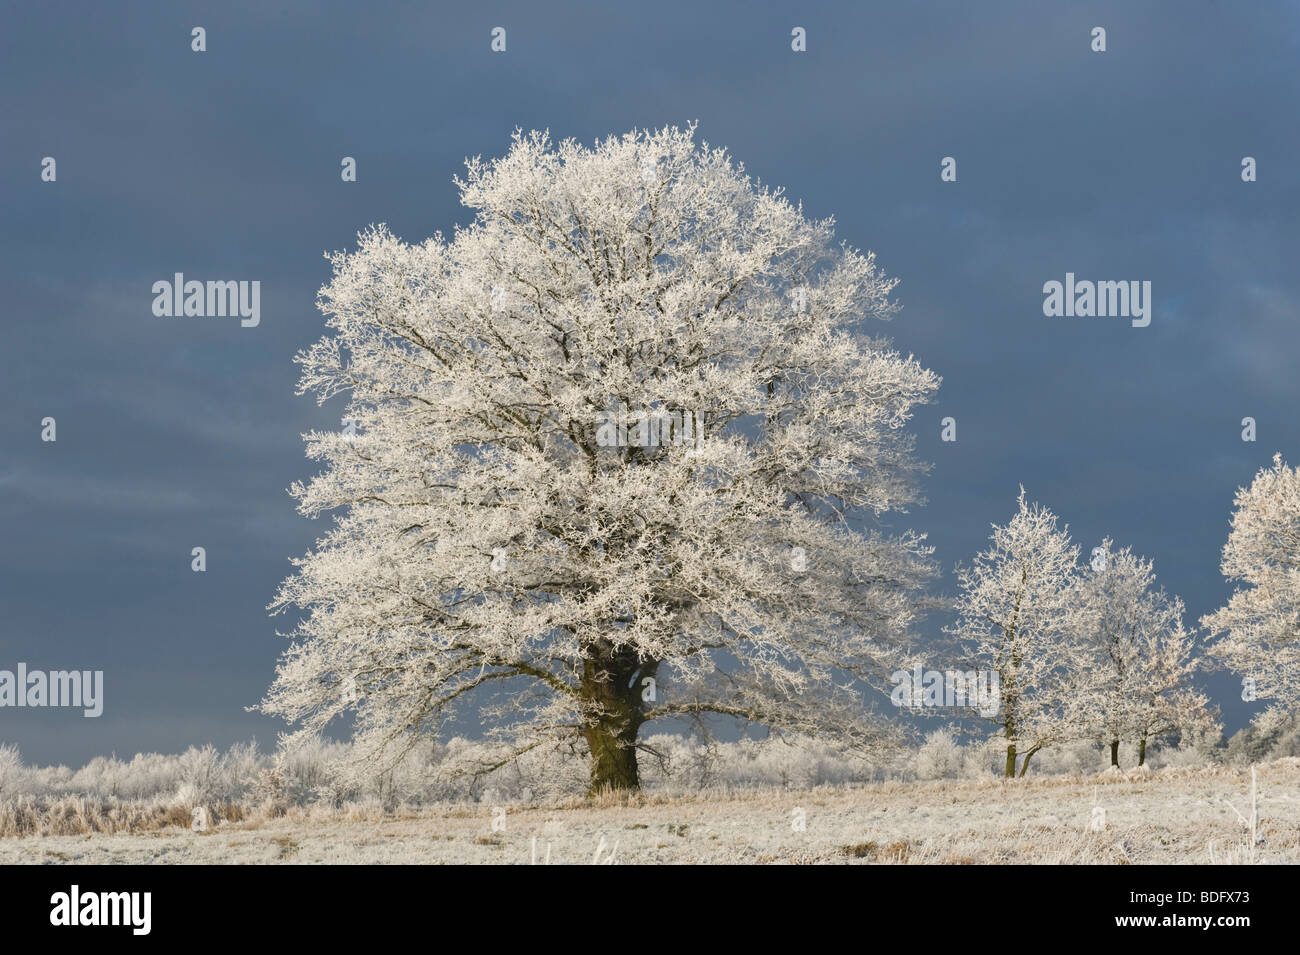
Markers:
<point>225,165</point>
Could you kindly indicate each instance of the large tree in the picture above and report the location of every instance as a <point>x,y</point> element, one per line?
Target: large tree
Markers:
<point>616,452</point>
<point>1259,628</point>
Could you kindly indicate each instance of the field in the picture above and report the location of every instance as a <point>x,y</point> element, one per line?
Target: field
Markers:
<point>1172,815</point>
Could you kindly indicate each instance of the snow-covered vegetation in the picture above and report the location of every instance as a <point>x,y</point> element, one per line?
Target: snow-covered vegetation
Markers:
<point>1168,815</point>
<point>1257,628</point>
<point>1081,652</point>
<point>152,790</point>
<point>495,551</point>
<point>503,555</point>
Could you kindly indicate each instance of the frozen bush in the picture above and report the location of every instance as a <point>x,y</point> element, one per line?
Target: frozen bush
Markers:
<point>1077,758</point>
<point>12,781</point>
<point>200,775</point>
<point>940,757</point>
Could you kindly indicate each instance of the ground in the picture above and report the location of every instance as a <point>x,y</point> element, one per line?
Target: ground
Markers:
<point>1170,816</point>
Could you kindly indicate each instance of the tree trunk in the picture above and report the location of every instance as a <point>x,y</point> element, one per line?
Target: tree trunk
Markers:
<point>1114,753</point>
<point>613,759</point>
<point>1011,761</point>
<point>1142,751</point>
<point>1024,767</point>
<point>613,716</point>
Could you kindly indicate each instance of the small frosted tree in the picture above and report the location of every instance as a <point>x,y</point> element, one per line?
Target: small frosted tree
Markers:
<point>1259,628</point>
<point>1017,616</point>
<point>1138,685</point>
<point>1168,704</point>
<point>614,455</point>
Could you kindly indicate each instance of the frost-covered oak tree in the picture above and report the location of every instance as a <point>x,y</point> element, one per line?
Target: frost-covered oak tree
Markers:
<point>1138,686</point>
<point>1259,629</point>
<point>616,453</point>
<point>1016,614</point>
